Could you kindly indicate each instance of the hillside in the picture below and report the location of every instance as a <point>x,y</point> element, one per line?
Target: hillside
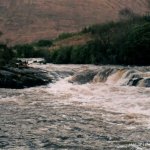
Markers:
<point>124,42</point>
<point>29,20</point>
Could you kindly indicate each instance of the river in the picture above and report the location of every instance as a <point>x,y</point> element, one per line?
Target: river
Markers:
<point>103,113</point>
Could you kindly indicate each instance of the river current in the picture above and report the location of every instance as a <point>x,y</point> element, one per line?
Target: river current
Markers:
<point>101,113</point>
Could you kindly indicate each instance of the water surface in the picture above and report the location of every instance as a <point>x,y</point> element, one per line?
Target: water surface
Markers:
<point>64,115</point>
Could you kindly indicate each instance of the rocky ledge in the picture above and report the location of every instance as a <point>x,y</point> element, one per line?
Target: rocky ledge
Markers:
<point>123,76</point>
<point>22,77</point>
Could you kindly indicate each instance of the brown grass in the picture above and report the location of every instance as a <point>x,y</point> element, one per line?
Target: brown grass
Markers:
<point>72,41</point>
<point>29,20</point>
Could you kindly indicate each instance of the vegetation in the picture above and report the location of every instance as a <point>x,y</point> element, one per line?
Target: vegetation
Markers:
<point>24,51</point>
<point>136,49</point>
<point>65,36</point>
<point>126,42</point>
<point>44,43</point>
<point>6,54</point>
<point>29,51</point>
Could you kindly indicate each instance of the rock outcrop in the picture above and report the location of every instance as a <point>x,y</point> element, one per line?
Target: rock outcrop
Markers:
<point>17,78</point>
<point>83,77</point>
<point>124,76</point>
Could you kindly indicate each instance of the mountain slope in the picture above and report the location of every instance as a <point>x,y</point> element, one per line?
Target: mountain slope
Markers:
<point>29,20</point>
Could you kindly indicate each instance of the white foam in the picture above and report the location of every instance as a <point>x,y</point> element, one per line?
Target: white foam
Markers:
<point>107,95</point>
<point>115,98</point>
<point>110,97</point>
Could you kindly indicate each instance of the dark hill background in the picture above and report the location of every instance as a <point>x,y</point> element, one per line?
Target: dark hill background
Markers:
<point>30,20</point>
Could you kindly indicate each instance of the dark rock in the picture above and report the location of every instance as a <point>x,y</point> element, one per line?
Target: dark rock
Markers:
<point>147,82</point>
<point>104,73</point>
<point>80,136</point>
<point>3,144</point>
<point>17,78</point>
<point>134,81</point>
<point>63,137</point>
<point>83,77</point>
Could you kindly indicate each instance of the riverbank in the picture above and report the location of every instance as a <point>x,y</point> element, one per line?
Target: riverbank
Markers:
<point>22,77</point>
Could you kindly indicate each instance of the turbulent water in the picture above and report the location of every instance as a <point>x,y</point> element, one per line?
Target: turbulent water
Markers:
<point>85,107</point>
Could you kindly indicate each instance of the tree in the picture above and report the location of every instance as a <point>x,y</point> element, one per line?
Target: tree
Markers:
<point>136,49</point>
<point>44,43</point>
<point>25,50</point>
<point>6,54</point>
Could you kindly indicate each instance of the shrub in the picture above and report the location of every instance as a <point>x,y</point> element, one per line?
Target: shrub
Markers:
<point>44,43</point>
<point>124,42</point>
<point>24,51</point>
<point>61,55</point>
<point>64,36</point>
<point>136,50</point>
<point>6,54</point>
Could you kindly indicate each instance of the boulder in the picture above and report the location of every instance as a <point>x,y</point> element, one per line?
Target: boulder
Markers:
<point>104,73</point>
<point>144,83</point>
<point>17,78</point>
<point>83,77</point>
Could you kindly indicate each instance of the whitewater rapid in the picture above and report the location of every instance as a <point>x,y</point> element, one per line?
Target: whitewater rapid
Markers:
<point>100,113</point>
<point>109,95</point>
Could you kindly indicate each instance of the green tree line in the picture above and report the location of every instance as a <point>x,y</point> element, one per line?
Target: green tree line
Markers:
<point>124,42</point>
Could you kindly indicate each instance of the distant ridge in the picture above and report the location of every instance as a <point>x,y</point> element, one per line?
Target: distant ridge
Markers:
<point>30,20</point>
